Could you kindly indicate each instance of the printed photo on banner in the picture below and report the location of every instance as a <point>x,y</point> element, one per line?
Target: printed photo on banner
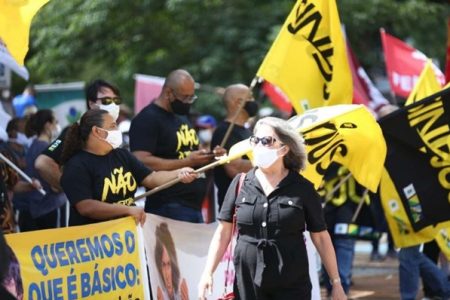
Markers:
<point>97,261</point>
<point>176,253</point>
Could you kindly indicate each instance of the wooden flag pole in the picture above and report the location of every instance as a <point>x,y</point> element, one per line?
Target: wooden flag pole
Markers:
<point>238,111</point>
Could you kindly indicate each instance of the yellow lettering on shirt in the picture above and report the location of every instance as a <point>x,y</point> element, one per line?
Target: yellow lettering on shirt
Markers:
<point>119,183</point>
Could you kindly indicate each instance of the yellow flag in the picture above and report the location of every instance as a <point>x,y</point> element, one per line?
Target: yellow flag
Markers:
<point>403,233</point>
<point>15,21</point>
<point>308,59</point>
<point>346,134</point>
<point>443,241</point>
<point>426,85</point>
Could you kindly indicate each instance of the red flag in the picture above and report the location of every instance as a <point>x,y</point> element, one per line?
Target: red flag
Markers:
<point>146,89</point>
<point>447,64</point>
<point>364,91</point>
<point>277,97</point>
<point>404,65</point>
<point>360,90</point>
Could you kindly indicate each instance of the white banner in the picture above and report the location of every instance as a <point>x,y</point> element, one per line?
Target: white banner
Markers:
<point>176,254</point>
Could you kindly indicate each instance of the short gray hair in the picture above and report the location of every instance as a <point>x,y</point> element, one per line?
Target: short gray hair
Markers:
<point>295,160</point>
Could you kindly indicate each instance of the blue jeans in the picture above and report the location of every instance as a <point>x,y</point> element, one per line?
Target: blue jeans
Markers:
<point>414,264</point>
<point>345,251</point>
<point>178,212</point>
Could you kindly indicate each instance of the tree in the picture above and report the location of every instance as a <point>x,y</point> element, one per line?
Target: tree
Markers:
<point>219,41</point>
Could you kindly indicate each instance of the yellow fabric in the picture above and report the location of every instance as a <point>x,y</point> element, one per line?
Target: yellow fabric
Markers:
<point>443,241</point>
<point>402,232</point>
<point>308,59</point>
<point>15,22</point>
<point>425,86</point>
<point>348,135</point>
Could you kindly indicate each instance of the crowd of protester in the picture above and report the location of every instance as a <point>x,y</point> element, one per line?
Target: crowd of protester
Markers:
<point>161,144</point>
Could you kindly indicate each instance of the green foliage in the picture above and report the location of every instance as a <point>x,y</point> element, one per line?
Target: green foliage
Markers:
<point>219,41</point>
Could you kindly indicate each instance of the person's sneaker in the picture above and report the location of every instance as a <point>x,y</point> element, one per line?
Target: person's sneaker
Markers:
<point>375,256</point>
<point>391,253</point>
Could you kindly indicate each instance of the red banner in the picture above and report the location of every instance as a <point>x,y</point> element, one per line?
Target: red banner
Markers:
<point>364,91</point>
<point>404,65</point>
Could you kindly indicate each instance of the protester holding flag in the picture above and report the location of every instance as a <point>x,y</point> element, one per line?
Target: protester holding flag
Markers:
<point>162,138</point>
<point>99,94</point>
<point>237,113</point>
<point>274,207</point>
<point>99,178</point>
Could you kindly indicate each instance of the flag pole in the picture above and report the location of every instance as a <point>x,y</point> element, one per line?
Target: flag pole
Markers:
<point>360,204</point>
<point>336,187</point>
<point>21,173</point>
<point>236,151</point>
<point>238,111</point>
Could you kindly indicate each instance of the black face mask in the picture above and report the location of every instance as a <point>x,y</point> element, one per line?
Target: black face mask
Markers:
<point>179,107</point>
<point>251,107</point>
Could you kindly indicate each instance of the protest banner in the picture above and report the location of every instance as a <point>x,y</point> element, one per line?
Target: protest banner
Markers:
<point>177,251</point>
<point>97,261</point>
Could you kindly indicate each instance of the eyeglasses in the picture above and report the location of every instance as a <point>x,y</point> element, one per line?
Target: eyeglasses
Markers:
<point>266,141</point>
<point>186,99</point>
<point>109,100</point>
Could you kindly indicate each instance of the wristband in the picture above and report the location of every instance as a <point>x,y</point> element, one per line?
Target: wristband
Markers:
<point>335,281</point>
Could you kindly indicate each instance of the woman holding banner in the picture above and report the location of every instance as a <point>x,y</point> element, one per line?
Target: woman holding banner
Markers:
<point>273,208</point>
<point>99,178</point>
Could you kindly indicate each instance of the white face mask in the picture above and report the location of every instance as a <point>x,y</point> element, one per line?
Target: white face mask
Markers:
<point>56,131</point>
<point>264,157</point>
<point>114,138</point>
<point>113,109</point>
<point>23,140</point>
<point>205,135</point>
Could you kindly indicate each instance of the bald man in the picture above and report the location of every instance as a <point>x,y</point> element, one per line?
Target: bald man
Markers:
<point>162,137</point>
<point>232,99</point>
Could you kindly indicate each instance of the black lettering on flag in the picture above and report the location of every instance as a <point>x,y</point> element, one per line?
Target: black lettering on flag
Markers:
<point>418,141</point>
<point>323,46</point>
<point>324,145</point>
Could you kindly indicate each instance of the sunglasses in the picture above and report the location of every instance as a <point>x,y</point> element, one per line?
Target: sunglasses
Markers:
<point>186,99</point>
<point>266,141</point>
<point>109,100</point>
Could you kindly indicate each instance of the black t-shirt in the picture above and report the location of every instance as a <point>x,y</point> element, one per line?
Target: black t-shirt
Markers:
<point>170,136</point>
<point>112,178</point>
<point>54,150</point>
<point>238,133</point>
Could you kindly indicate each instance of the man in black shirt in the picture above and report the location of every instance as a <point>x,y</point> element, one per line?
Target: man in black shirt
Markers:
<point>233,97</point>
<point>162,137</point>
<point>99,94</point>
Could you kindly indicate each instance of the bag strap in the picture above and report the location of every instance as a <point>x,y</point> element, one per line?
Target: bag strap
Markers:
<point>233,229</point>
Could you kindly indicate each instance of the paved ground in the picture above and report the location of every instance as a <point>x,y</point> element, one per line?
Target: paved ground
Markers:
<point>373,280</point>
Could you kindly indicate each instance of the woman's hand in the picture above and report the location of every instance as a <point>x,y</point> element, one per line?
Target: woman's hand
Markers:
<point>338,293</point>
<point>35,183</point>
<point>187,175</point>
<point>205,286</point>
<point>137,213</point>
